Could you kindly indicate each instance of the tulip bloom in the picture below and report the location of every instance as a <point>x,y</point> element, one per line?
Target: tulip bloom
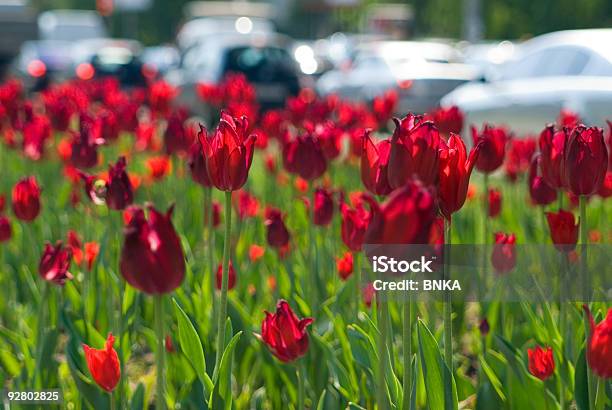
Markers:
<point>231,277</point>
<point>285,334</point>
<point>495,200</point>
<point>503,257</point>
<point>585,160</point>
<point>355,222</point>
<point>540,191</point>
<point>323,207</point>
<point>277,234</point>
<point>344,265</point>
<point>304,156</point>
<point>519,157</point>
<point>605,191</point>
<point>152,258</point>
<point>384,106</point>
<point>158,167</point>
<point>493,148</point>
<point>367,294</point>
<point>405,218</point>
<point>119,191</point>
<point>256,252</point>
<point>415,147</point>
<point>374,165</point>
<point>599,354</point>
<point>197,161</point>
<point>84,148</point>
<point>541,362</point>
<point>54,263</point>
<point>563,230</point>
<point>454,174</point>
<point>552,144</point>
<point>229,153</point>
<point>103,364</point>
<point>5,229</point>
<point>26,199</point>
<point>246,204</point>
<point>448,119</point>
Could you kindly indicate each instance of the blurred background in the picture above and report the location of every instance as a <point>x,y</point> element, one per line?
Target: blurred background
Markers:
<point>517,62</point>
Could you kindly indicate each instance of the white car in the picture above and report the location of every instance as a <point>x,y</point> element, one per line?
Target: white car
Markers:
<point>420,71</point>
<point>563,70</point>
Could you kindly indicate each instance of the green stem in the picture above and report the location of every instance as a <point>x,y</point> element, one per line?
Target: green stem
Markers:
<point>586,288</point>
<point>222,312</point>
<point>159,354</point>
<point>301,375</point>
<point>382,354</point>
<point>407,351</point>
<point>314,274</point>
<point>448,324</point>
<point>111,399</point>
<point>42,323</point>
<point>357,256</point>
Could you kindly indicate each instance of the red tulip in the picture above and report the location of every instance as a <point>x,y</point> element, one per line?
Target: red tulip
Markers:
<point>503,257</point>
<point>484,327</point>
<point>36,131</point>
<point>605,191</point>
<point>405,218</point>
<point>585,160</point>
<point>541,362</point>
<point>277,234</point>
<point>599,353</point>
<point>355,222</point>
<point>455,169</point>
<point>2,203</point>
<point>448,119</point>
<point>374,165</point>
<point>367,294</point>
<point>519,157</point>
<point>179,136</point>
<point>103,364</point>
<point>568,118</point>
<point>493,150</point>
<point>54,263</point>
<point>158,167</point>
<point>246,204</point>
<point>119,191</point>
<point>231,278</point>
<point>152,258</point>
<point>330,138</point>
<point>256,252</point>
<point>74,243</point>
<point>169,345</point>
<point>216,214</point>
<point>84,148</point>
<point>229,153</point>
<point>495,200</point>
<point>5,229</point>
<point>304,156</point>
<point>344,265</point>
<point>552,144</point>
<point>161,95</point>
<point>197,160</point>
<point>384,106</point>
<point>92,249</point>
<point>323,207</point>
<point>563,230</point>
<point>540,191</point>
<point>285,334</point>
<point>109,125</point>
<point>26,199</point>
<point>414,152</point>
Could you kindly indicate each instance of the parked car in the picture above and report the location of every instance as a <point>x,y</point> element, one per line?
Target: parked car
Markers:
<point>71,25</point>
<point>562,70</point>
<point>40,62</point>
<point>161,59</point>
<point>17,25</point>
<point>263,59</point>
<point>421,72</point>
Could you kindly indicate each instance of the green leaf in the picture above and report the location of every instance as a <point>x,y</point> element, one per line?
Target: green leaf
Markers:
<point>435,371</point>
<point>192,347</point>
<point>138,398</point>
<point>493,379</point>
<point>321,403</point>
<point>581,388</point>
<point>222,392</point>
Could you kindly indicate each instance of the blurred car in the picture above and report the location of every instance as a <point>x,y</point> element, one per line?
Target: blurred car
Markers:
<point>488,57</point>
<point>71,25</point>
<point>119,58</point>
<point>202,28</point>
<point>263,59</point>
<point>40,62</point>
<point>161,59</point>
<point>420,72</point>
<point>17,25</point>
<point>562,70</point>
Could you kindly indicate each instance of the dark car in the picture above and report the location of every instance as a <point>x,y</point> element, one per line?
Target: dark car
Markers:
<point>40,62</point>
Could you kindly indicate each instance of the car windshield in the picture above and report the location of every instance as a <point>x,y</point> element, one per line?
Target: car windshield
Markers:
<point>260,64</point>
<point>557,61</point>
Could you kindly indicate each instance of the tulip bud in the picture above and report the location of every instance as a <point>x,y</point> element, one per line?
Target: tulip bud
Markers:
<point>585,160</point>
<point>344,265</point>
<point>277,234</point>
<point>599,354</point>
<point>5,229</point>
<point>374,165</point>
<point>246,204</point>
<point>231,277</point>
<point>367,294</point>
<point>494,199</point>
<point>119,191</point>
<point>197,160</point>
<point>355,222</point>
<point>484,327</point>
<point>552,143</point>
<point>448,119</point>
<point>84,149</point>
<point>563,230</point>
<point>304,156</point>
<point>54,263</point>
<point>256,252</point>
<point>541,362</point>
<point>540,192</point>
<point>323,207</point>
<point>26,199</point>
<point>493,147</point>
<point>103,364</point>
<point>503,257</point>
<point>285,334</point>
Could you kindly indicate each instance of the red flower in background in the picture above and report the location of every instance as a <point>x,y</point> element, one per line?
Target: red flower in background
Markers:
<point>448,119</point>
<point>568,119</point>
<point>84,147</point>
<point>540,191</point>
<point>367,294</point>
<point>503,257</point>
<point>277,234</point>
<point>405,218</point>
<point>2,203</point>
<point>179,135</point>
<point>344,265</point>
<point>493,148</point>
<point>54,263</point>
<point>323,207</point>
<point>414,152</point>
<point>585,160</point>
<point>285,334</point>
<point>26,199</point>
<point>563,230</point>
<point>355,222</point>
<point>246,204</point>
<point>92,249</point>
<point>552,144</point>
<point>103,364</point>
<point>197,160</point>
<point>384,106</point>
<point>158,167</point>
<point>119,191</point>
<point>304,156</point>
<point>330,139</point>
<point>229,153</point>
<point>231,277</point>
<point>109,125</point>
<point>605,191</point>
<point>161,95</point>
<point>256,252</point>
<point>75,244</point>
<point>541,362</point>
<point>152,258</point>
<point>519,157</point>
<point>599,353</point>
<point>495,200</point>
<point>375,165</point>
<point>455,169</point>
<point>5,229</point>
<point>36,131</point>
